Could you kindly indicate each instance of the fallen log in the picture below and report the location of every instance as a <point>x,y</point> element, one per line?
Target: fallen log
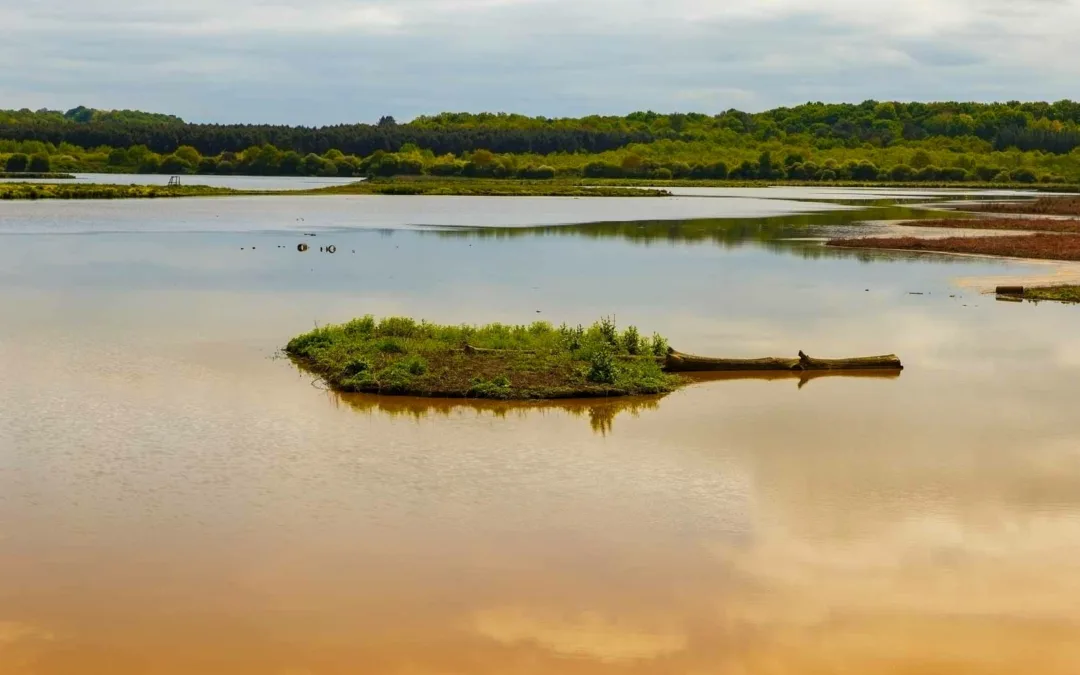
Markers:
<point>678,362</point>
<point>887,362</point>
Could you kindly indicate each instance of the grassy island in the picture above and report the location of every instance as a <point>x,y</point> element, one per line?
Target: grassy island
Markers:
<point>36,175</point>
<point>464,187</point>
<point>94,191</point>
<point>402,356</point>
<point>485,187</point>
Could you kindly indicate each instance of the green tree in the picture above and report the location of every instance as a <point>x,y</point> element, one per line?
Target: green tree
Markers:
<point>150,163</point>
<point>39,163</point>
<point>118,157</point>
<point>921,159</point>
<point>175,165</point>
<point>901,173</point>
<point>18,162</point>
<point>290,164</point>
<point>188,154</point>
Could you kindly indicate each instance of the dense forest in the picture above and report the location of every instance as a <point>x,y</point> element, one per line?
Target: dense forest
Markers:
<point>999,142</point>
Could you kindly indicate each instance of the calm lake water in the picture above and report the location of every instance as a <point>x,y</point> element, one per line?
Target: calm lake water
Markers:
<point>175,499</point>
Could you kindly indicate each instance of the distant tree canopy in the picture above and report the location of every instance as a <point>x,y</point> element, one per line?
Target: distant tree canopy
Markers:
<point>871,141</point>
<point>1048,127</point>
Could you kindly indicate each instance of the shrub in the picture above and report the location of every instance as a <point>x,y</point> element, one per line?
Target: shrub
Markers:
<point>355,367</point>
<point>607,330</point>
<point>397,326</point>
<point>498,387</point>
<point>390,346</point>
<point>603,170</point>
<point>631,341</point>
<point>927,173</point>
<point>602,366</point>
<point>17,162</point>
<point>659,345</point>
<point>663,173</point>
<point>1023,175</point>
<point>39,163</point>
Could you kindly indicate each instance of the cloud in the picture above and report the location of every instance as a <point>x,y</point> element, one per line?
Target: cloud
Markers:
<point>329,61</point>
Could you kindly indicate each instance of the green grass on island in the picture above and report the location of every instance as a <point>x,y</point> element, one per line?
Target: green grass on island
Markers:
<point>95,191</point>
<point>486,187</point>
<point>401,356</point>
<point>1062,293</point>
<point>476,187</point>
<point>36,175</point>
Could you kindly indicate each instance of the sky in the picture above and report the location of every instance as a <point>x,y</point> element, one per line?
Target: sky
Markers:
<point>341,61</point>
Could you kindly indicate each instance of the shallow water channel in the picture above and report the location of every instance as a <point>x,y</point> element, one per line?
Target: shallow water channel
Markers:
<point>176,499</point>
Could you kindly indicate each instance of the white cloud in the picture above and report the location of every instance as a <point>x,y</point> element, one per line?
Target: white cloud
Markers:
<point>327,61</point>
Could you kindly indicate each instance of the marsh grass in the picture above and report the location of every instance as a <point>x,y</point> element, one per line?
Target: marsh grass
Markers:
<point>1070,226</point>
<point>484,187</point>
<point>95,191</point>
<point>1040,246</point>
<point>401,356</point>
<point>1047,206</point>
<point>1064,293</point>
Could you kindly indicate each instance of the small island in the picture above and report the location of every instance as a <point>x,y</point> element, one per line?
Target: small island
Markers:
<point>402,356</point>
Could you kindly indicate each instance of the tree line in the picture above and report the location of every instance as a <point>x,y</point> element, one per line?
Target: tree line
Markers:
<point>1034,126</point>
<point>658,161</point>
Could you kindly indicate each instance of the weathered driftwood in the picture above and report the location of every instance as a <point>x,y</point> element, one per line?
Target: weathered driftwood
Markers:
<point>678,362</point>
<point>886,362</point>
<point>1010,290</point>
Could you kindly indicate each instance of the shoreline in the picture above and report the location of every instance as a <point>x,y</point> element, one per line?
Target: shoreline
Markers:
<point>488,187</point>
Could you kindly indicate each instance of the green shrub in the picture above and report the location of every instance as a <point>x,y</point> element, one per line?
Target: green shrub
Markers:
<point>390,346</point>
<point>631,341</point>
<point>602,366</point>
<point>659,345</point>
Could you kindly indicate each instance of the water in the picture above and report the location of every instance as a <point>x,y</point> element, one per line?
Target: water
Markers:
<point>175,499</point>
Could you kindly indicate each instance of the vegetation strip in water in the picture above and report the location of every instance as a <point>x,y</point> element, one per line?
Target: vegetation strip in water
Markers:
<point>1037,246</point>
<point>36,176</point>
<point>93,191</point>
<point>1018,224</point>
<point>481,187</point>
<point>1063,293</point>
<point>402,356</point>
<point>404,186</point>
<point>1044,206</point>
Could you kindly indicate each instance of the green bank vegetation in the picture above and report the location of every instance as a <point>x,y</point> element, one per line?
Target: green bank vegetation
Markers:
<point>424,185</point>
<point>398,186</point>
<point>27,175</point>
<point>401,356</point>
<point>945,142</point>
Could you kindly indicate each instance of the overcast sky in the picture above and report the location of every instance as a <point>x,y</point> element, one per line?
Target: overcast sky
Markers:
<point>331,61</point>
